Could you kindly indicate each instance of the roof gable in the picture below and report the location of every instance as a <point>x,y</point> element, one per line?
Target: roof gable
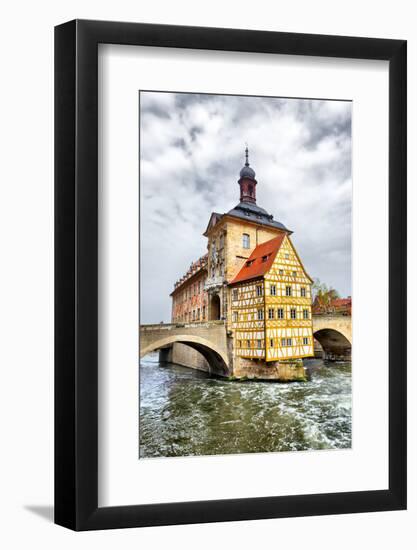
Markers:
<point>214,219</point>
<point>260,261</point>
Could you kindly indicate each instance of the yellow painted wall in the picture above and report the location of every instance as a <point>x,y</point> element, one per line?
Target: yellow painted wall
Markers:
<point>229,248</point>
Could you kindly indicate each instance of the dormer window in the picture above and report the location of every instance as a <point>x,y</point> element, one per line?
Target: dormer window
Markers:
<point>264,258</point>
<point>249,263</point>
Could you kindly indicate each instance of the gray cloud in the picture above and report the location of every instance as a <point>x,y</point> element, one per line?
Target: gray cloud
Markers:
<point>191,153</point>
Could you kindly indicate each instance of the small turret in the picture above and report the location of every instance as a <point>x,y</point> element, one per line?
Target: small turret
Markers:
<point>247,182</point>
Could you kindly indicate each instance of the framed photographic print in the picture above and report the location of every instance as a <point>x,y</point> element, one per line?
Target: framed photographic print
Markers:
<point>230,275</point>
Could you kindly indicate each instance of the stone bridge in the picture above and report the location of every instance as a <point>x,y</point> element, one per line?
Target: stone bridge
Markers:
<point>332,332</point>
<point>209,339</point>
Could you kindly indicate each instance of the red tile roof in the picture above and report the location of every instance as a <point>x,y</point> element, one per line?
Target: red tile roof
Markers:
<point>260,261</point>
<point>339,302</point>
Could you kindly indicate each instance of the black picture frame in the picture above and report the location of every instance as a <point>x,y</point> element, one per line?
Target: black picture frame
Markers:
<point>76,273</point>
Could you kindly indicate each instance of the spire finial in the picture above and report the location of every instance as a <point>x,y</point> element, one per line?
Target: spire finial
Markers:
<point>247,155</point>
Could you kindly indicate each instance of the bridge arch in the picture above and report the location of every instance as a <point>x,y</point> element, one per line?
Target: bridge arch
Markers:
<point>335,343</point>
<point>215,357</point>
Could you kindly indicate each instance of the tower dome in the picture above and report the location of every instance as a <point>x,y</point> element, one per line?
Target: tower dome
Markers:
<point>247,171</point>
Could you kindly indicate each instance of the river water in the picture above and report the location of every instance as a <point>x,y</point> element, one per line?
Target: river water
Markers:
<point>185,412</point>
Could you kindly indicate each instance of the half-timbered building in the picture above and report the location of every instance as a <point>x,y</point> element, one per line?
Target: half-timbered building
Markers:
<point>271,304</point>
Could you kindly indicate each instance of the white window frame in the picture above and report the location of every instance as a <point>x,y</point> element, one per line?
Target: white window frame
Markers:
<point>245,240</point>
<point>260,314</point>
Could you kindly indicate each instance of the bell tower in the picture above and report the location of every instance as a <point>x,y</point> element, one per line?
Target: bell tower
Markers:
<point>247,182</point>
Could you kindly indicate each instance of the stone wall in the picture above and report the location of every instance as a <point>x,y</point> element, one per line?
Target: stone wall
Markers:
<point>182,354</point>
<point>288,371</point>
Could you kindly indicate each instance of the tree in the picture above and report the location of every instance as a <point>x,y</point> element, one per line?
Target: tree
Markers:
<point>323,295</point>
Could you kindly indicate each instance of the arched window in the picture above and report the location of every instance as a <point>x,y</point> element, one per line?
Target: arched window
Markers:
<point>245,240</point>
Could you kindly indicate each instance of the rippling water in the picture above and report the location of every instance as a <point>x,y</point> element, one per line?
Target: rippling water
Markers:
<point>185,412</point>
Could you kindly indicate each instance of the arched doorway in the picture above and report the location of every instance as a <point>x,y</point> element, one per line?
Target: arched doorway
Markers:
<point>214,308</point>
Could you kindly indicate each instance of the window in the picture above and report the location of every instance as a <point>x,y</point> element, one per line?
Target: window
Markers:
<point>270,313</point>
<point>281,272</point>
<point>204,312</point>
<point>239,343</point>
<point>303,292</point>
<point>280,313</point>
<point>294,274</point>
<point>287,255</point>
<point>283,341</point>
<point>260,314</point>
<point>288,291</point>
<point>259,290</point>
<point>273,290</point>
<point>305,314</point>
<point>193,314</point>
<point>235,316</point>
<point>248,343</point>
<point>271,343</point>
<point>245,240</point>
<point>264,258</point>
<point>249,263</point>
<point>293,313</point>
<point>235,294</point>
<point>259,343</point>
<point>305,341</point>
<point>289,341</point>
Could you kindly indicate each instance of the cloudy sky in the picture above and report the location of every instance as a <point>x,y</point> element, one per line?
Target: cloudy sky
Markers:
<point>191,152</point>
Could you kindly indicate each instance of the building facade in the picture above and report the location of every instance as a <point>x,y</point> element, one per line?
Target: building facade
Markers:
<point>253,279</point>
<point>189,298</point>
